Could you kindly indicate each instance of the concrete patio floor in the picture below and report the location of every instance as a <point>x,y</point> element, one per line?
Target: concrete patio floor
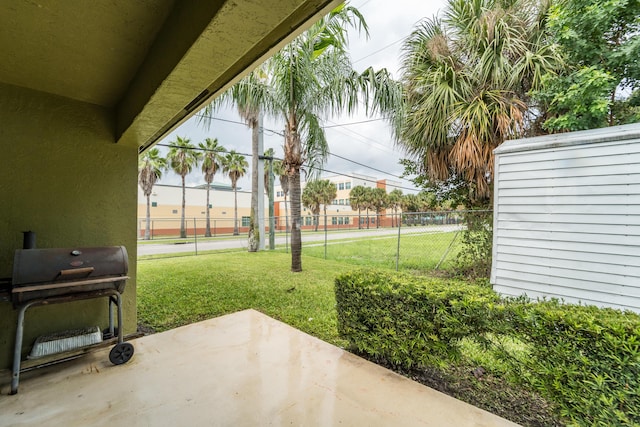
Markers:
<point>243,369</point>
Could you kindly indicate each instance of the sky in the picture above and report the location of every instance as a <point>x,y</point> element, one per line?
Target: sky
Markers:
<point>370,144</point>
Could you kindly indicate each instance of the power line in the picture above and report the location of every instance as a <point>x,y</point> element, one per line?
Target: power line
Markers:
<point>352,123</point>
<point>362,179</point>
<point>378,51</point>
<point>365,139</point>
<point>366,166</point>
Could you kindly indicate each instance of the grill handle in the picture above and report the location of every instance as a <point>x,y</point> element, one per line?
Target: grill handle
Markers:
<point>76,271</point>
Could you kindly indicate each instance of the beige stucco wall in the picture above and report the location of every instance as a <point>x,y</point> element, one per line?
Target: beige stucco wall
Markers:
<point>63,177</point>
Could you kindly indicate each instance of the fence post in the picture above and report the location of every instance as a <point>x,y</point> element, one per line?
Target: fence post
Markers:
<point>325,232</point>
<point>195,233</point>
<point>398,249</point>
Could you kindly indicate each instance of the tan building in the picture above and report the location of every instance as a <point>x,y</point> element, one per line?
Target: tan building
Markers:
<point>166,210</point>
<point>339,213</point>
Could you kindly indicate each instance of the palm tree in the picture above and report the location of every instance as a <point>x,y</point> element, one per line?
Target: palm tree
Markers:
<point>466,78</point>
<point>211,164</point>
<point>395,200</point>
<point>248,95</point>
<point>379,202</point>
<point>367,202</point>
<point>307,80</point>
<point>182,158</point>
<point>328,192</point>
<point>316,193</point>
<point>312,199</point>
<point>356,199</point>
<point>150,167</point>
<point>235,166</point>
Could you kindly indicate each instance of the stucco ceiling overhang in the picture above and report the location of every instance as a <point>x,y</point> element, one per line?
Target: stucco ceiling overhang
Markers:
<point>149,63</point>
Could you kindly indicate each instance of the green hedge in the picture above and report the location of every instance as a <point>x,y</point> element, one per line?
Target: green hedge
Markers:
<point>408,321</point>
<point>584,359</point>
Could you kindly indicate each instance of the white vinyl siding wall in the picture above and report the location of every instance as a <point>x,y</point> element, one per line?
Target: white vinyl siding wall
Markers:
<point>567,217</point>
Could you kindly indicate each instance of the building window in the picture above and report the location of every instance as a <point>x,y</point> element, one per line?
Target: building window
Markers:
<point>335,202</point>
<point>341,186</point>
<point>175,211</point>
<point>346,220</point>
<point>154,204</point>
<point>210,205</point>
<point>342,201</point>
<point>307,220</point>
<point>246,220</point>
<point>334,220</point>
<point>347,185</point>
<point>340,221</point>
<point>346,201</point>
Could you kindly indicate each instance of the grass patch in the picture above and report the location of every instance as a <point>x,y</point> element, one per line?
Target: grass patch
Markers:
<point>419,252</point>
<point>177,291</point>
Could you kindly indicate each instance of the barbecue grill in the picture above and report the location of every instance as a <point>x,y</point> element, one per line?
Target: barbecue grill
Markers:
<point>59,275</point>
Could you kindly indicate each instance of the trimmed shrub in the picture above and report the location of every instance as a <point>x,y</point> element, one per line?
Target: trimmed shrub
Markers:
<point>584,359</point>
<point>410,321</point>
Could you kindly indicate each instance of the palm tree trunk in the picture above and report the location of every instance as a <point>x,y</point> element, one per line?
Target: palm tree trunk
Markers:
<point>235,211</point>
<point>147,228</point>
<point>183,230</point>
<point>359,220</point>
<point>286,213</point>
<point>317,220</point>
<point>367,218</point>
<point>207,232</point>
<point>296,236</point>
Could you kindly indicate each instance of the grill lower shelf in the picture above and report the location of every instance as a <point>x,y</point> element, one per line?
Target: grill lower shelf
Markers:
<point>61,342</point>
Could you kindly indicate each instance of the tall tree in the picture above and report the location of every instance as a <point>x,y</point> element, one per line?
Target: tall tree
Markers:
<point>309,79</point>
<point>466,78</point>
<point>249,96</point>
<point>600,45</point>
<point>312,199</point>
<point>283,176</point>
<point>395,202</point>
<point>316,193</point>
<point>367,203</point>
<point>212,158</point>
<point>235,166</point>
<point>356,199</point>
<point>379,202</point>
<point>150,168</point>
<point>182,158</point>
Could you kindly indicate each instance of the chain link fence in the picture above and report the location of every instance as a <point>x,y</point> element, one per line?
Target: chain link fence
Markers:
<point>415,241</point>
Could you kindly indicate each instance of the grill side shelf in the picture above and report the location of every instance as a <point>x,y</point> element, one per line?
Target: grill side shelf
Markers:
<point>68,284</point>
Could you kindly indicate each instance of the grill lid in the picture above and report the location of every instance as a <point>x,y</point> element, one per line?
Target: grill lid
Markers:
<point>59,265</point>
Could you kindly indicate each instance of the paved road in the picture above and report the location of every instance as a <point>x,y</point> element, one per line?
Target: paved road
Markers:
<point>226,243</point>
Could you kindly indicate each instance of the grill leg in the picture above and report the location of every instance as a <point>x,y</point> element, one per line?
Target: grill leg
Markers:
<point>120,328</point>
<point>17,352</point>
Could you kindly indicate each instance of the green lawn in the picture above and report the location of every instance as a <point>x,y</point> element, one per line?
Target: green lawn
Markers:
<point>178,291</point>
<point>418,252</point>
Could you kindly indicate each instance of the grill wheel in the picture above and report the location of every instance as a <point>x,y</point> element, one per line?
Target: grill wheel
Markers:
<point>121,353</point>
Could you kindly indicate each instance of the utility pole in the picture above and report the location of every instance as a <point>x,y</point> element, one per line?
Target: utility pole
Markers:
<point>260,213</point>
<point>272,220</point>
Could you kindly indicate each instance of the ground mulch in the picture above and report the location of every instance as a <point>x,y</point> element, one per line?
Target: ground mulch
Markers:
<point>485,391</point>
